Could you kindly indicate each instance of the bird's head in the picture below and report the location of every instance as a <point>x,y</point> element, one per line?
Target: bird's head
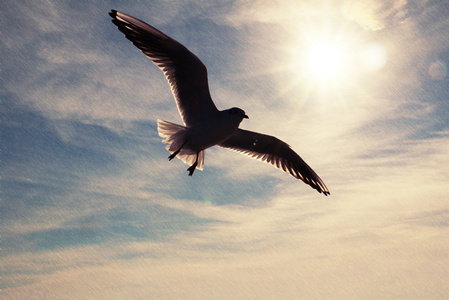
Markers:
<point>237,112</point>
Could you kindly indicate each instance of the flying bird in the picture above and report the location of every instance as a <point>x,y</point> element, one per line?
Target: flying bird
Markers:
<point>205,125</point>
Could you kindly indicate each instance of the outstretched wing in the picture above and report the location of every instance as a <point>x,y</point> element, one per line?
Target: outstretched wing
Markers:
<point>185,73</point>
<point>273,150</point>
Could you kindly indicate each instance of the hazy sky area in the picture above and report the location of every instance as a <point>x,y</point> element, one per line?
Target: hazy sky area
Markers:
<point>91,208</point>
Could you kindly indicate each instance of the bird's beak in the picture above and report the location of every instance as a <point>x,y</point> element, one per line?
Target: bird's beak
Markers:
<point>245,117</point>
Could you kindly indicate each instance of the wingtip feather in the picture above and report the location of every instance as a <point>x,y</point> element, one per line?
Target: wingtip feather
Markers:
<point>113,13</point>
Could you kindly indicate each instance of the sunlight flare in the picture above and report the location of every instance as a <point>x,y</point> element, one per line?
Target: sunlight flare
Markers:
<point>373,56</point>
<point>325,59</point>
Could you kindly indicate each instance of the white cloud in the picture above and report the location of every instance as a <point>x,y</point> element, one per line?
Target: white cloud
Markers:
<point>372,234</point>
<point>375,15</point>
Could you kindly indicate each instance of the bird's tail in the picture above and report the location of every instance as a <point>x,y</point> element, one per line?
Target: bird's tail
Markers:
<point>175,136</point>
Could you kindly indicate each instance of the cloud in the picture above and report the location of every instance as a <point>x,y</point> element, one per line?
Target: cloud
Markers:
<point>321,248</point>
<point>374,15</point>
<point>263,11</point>
<point>94,227</point>
<point>73,69</point>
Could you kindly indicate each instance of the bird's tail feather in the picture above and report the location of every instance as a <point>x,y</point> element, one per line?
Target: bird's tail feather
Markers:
<point>175,136</point>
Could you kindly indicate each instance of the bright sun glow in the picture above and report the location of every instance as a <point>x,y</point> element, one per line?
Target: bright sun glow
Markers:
<point>325,59</point>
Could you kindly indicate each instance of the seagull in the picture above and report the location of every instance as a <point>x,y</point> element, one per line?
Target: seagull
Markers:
<point>204,125</point>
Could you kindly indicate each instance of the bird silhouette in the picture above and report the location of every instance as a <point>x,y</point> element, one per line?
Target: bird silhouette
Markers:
<point>205,125</point>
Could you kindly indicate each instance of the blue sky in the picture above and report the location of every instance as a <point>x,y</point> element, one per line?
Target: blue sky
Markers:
<point>92,208</point>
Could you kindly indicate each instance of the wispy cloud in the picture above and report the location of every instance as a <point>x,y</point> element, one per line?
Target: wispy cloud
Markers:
<point>375,15</point>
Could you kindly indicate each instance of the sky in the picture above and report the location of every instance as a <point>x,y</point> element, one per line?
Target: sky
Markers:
<point>91,208</point>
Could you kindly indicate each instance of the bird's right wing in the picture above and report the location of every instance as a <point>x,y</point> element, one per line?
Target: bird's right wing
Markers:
<point>278,153</point>
<point>185,72</point>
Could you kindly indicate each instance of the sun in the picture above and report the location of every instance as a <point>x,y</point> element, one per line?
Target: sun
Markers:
<point>323,62</point>
<point>324,59</point>
<point>327,60</point>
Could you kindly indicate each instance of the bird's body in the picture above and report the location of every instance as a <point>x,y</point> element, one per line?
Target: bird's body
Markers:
<point>205,126</point>
<point>213,130</point>
<point>187,142</point>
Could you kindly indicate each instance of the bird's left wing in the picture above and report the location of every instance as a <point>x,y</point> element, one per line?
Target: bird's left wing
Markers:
<point>278,153</point>
<point>184,71</point>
